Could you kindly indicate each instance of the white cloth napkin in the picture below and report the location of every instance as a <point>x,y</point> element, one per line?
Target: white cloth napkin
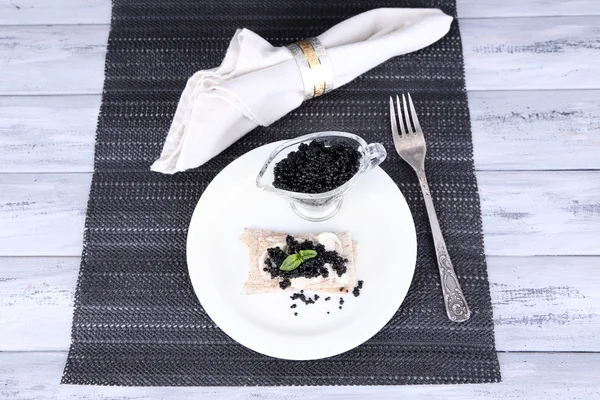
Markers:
<point>257,83</point>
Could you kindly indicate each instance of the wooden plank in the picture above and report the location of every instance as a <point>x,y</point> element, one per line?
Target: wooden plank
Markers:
<point>524,213</point>
<point>540,213</point>
<point>538,130</point>
<point>64,59</point>
<point>42,214</point>
<point>535,130</point>
<point>526,376</point>
<point>36,302</point>
<point>529,8</point>
<point>500,54</point>
<point>42,12</point>
<point>48,133</point>
<point>532,53</point>
<point>546,303</point>
<point>557,310</point>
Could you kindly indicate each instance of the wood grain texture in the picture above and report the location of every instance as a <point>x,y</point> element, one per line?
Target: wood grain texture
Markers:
<point>42,214</point>
<point>535,130</point>
<point>524,213</point>
<point>532,53</point>
<point>528,8</point>
<point>529,130</point>
<point>36,302</point>
<point>546,303</point>
<point>65,59</point>
<point>540,303</point>
<point>540,213</point>
<point>500,54</point>
<point>526,376</point>
<point>47,133</point>
<point>43,12</point>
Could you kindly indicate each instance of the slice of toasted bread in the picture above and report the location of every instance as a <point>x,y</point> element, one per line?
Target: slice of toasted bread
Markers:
<point>258,241</point>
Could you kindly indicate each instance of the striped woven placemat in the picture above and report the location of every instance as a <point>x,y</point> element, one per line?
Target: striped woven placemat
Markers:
<point>137,321</point>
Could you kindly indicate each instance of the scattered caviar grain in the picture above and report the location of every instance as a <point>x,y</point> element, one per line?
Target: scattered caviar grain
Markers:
<point>302,297</point>
<point>284,284</point>
<point>341,289</point>
<point>295,314</point>
<point>327,298</point>
<point>327,312</point>
<point>356,291</point>
<point>316,297</point>
<point>341,300</point>
<point>294,305</point>
<point>340,307</point>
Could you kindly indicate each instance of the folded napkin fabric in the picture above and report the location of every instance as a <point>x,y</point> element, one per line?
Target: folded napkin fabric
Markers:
<point>257,83</point>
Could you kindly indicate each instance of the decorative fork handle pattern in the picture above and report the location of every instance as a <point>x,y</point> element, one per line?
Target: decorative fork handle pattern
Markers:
<point>454,299</point>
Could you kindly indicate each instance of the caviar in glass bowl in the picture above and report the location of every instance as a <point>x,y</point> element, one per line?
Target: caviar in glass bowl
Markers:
<point>315,171</point>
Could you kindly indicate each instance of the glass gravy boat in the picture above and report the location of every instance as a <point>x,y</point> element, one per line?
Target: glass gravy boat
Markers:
<point>320,206</point>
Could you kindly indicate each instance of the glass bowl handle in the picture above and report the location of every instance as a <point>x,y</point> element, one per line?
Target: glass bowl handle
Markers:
<point>376,153</point>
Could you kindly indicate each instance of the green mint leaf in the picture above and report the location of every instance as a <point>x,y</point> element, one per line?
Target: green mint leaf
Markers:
<point>292,262</point>
<point>307,254</point>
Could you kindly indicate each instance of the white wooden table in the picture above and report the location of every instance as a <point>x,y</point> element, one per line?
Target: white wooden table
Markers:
<point>533,75</point>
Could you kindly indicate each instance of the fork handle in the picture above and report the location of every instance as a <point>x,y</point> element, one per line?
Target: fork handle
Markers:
<point>454,299</point>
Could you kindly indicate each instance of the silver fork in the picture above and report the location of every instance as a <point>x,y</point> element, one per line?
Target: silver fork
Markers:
<point>410,146</point>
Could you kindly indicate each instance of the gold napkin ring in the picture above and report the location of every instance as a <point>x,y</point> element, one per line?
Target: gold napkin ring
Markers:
<point>315,68</point>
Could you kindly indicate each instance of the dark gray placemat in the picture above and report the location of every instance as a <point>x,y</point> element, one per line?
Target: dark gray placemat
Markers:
<point>137,320</point>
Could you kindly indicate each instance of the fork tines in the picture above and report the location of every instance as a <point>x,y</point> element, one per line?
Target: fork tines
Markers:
<point>409,123</point>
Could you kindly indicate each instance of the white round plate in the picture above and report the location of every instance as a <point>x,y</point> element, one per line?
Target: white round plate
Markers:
<point>374,212</point>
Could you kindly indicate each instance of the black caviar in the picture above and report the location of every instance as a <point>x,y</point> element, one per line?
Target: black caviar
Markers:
<point>285,283</point>
<point>302,297</point>
<point>317,167</point>
<point>356,291</point>
<point>310,268</point>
